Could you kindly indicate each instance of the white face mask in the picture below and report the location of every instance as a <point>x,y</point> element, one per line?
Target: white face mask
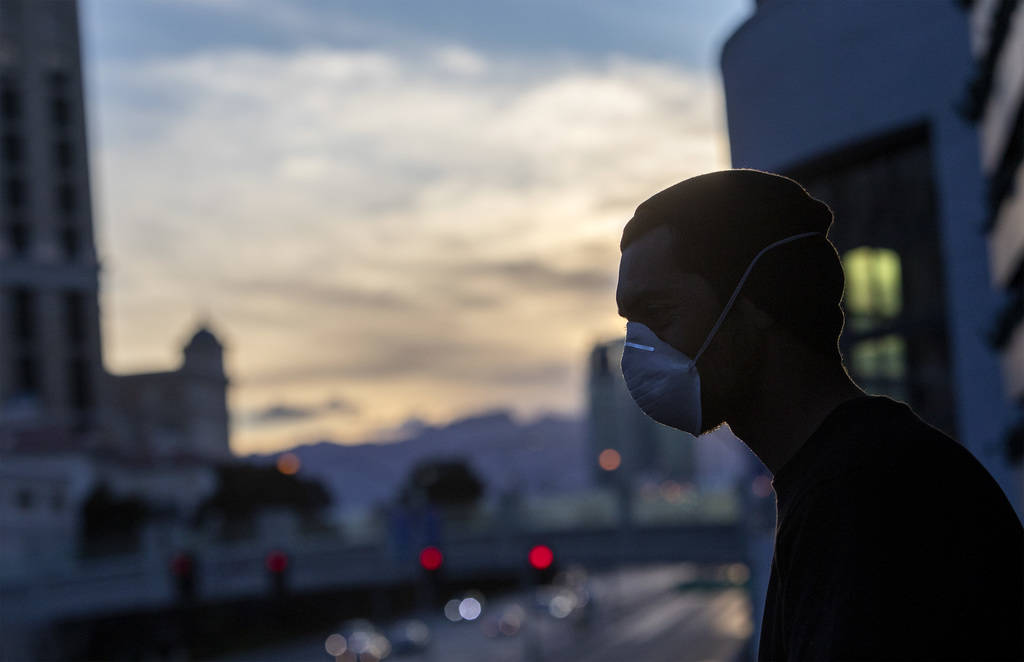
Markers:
<point>663,381</point>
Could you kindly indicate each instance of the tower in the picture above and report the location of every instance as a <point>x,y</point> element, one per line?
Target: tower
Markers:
<point>204,385</point>
<point>51,371</point>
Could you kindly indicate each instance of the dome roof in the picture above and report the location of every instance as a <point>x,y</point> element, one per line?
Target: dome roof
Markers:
<point>203,338</point>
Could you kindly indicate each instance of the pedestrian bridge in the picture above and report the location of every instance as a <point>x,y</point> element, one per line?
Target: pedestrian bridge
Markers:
<point>229,572</point>
<point>238,571</point>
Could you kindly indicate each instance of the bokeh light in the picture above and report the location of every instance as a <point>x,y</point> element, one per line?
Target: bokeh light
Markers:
<point>289,464</point>
<point>335,645</point>
<point>541,557</point>
<point>470,609</point>
<point>431,558</point>
<point>609,459</point>
<point>451,610</point>
<point>277,561</point>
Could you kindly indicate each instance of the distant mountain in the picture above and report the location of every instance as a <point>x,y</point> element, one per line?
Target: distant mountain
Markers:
<point>545,455</point>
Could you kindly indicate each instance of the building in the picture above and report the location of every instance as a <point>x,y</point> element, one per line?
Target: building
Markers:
<point>179,413</point>
<point>857,104</point>
<point>51,369</point>
<point>995,101</point>
<point>640,447</point>
<point>54,391</point>
<point>66,426</point>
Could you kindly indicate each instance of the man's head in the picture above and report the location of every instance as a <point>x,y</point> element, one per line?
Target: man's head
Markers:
<point>686,249</point>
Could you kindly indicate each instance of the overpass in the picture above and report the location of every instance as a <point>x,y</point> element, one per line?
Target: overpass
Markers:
<point>229,573</point>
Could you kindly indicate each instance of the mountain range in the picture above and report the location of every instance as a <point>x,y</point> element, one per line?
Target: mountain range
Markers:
<point>545,455</point>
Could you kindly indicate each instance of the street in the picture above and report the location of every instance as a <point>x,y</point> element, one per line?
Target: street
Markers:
<point>649,614</point>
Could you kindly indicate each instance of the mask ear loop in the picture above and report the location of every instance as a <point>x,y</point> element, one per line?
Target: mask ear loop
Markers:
<point>736,292</point>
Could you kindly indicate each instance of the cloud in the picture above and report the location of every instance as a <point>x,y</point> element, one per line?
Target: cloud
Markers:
<point>688,33</point>
<point>286,413</point>
<point>310,292</point>
<point>533,276</point>
<point>434,231</point>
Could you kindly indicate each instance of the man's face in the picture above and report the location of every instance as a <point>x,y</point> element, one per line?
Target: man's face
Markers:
<point>681,308</point>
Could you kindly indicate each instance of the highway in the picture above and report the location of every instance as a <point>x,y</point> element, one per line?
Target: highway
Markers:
<point>648,614</point>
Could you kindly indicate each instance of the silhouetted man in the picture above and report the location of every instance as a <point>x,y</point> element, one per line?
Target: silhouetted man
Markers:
<point>892,541</point>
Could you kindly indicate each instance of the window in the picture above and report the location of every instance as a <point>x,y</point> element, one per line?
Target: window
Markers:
<point>27,376</point>
<point>60,107</point>
<point>24,498</point>
<point>883,189</point>
<point>60,112</point>
<point>10,104</point>
<point>15,192</point>
<point>599,363</point>
<point>23,314</point>
<point>874,287</point>
<point>877,356</point>
<point>880,364</point>
<point>13,149</point>
<point>81,391</point>
<point>66,198</point>
<point>63,155</point>
<point>74,307</point>
<point>58,80</point>
<point>18,237</point>
<point>69,242</point>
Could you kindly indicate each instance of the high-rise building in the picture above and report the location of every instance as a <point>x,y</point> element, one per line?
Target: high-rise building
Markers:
<point>624,444</point>
<point>51,370</point>
<point>995,100</point>
<point>858,103</point>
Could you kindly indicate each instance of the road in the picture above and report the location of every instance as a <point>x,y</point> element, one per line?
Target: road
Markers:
<point>645,614</point>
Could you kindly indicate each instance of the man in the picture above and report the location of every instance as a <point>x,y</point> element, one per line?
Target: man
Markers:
<point>892,541</point>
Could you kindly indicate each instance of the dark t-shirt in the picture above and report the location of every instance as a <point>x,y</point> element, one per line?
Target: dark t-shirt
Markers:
<point>892,543</point>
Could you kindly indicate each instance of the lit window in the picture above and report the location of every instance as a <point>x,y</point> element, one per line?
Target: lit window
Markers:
<point>880,365</point>
<point>874,287</point>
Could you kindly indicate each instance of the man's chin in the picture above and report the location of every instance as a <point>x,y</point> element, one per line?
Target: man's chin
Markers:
<point>712,417</point>
<point>711,428</point>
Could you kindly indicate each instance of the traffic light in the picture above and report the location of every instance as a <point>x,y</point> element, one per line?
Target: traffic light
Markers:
<point>431,559</point>
<point>277,567</point>
<point>183,570</point>
<point>542,563</point>
<point>429,586</point>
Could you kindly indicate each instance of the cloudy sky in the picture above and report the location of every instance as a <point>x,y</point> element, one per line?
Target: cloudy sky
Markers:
<point>387,210</point>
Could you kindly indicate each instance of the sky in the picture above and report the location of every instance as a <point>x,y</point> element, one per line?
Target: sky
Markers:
<point>389,211</point>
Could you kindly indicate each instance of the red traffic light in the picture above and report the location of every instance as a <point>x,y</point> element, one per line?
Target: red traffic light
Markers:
<point>277,562</point>
<point>541,557</point>
<point>431,558</point>
<point>181,565</point>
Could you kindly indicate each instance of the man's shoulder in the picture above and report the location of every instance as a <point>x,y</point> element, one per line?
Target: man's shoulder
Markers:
<point>886,435</point>
<point>896,466</point>
<point>878,447</point>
